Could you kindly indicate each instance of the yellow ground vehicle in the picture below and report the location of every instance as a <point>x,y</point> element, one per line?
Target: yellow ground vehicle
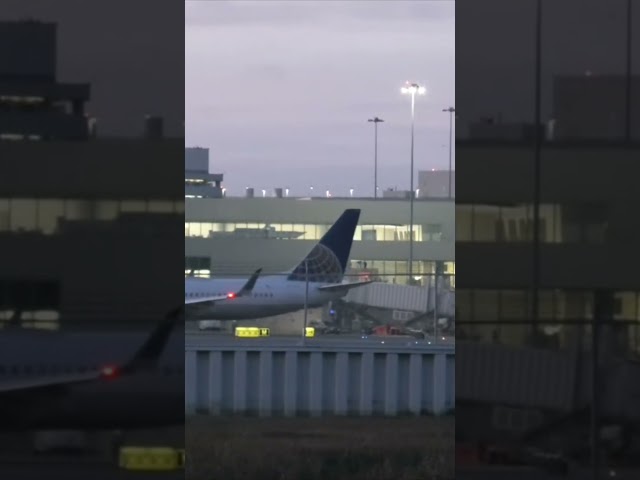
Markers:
<point>252,332</point>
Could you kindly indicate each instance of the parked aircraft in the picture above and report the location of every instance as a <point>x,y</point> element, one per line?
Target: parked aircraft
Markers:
<point>318,278</point>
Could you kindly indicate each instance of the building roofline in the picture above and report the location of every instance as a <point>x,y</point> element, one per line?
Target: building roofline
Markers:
<point>371,199</point>
<point>560,144</point>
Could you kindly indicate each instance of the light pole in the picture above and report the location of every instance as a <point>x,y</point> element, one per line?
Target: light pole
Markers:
<point>306,298</point>
<point>375,121</point>
<point>412,89</point>
<point>451,111</point>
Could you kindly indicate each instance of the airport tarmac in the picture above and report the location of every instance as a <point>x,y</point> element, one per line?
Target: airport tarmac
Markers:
<point>196,339</point>
<point>17,461</point>
<point>531,473</point>
<point>73,470</point>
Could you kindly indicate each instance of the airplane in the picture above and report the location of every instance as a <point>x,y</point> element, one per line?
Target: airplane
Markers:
<point>322,271</point>
<point>90,381</point>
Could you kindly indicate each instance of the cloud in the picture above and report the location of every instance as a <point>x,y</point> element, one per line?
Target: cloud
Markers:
<point>324,14</point>
<point>280,87</point>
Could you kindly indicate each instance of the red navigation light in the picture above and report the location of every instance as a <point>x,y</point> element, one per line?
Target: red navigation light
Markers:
<point>109,371</point>
<point>231,295</point>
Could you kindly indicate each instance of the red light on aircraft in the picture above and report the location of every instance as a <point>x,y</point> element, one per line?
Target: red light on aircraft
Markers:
<point>109,371</point>
<point>231,295</point>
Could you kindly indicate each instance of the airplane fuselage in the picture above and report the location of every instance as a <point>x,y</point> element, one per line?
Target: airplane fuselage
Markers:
<point>145,399</point>
<point>272,295</point>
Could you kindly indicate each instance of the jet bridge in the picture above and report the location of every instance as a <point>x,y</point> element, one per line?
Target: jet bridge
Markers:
<point>418,299</point>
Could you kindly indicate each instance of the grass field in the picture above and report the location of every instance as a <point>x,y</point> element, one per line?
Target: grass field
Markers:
<point>320,448</point>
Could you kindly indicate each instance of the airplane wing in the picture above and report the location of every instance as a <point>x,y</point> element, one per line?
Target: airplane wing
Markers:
<point>22,385</point>
<point>246,289</point>
<point>145,357</point>
<point>336,287</point>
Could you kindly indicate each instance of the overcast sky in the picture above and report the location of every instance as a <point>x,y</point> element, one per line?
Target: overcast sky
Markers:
<point>281,91</point>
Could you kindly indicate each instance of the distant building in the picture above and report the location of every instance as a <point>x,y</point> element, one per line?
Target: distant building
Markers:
<point>89,230</point>
<point>584,106</point>
<point>232,236</point>
<point>33,105</point>
<point>589,236</point>
<point>196,159</point>
<point>198,182</point>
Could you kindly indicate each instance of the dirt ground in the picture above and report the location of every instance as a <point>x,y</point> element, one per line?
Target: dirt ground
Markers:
<point>320,448</point>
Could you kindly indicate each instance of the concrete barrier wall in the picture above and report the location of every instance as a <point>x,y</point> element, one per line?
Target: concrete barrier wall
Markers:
<point>327,380</point>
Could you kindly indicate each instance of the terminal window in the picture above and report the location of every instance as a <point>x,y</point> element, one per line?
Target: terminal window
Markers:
<point>300,231</point>
<point>46,215</point>
<point>514,223</point>
<point>197,266</point>
<point>504,316</point>
<point>396,272</point>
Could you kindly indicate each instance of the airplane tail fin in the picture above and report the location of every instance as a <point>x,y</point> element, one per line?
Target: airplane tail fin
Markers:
<point>148,354</point>
<point>327,261</point>
<point>248,287</point>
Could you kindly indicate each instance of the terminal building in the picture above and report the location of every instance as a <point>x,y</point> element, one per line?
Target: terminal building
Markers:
<point>588,238</point>
<point>33,104</point>
<point>232,236</point>
<point>89,227</point>
<point>198,182</point>
<point>518,370</point>
<point>84,235</point>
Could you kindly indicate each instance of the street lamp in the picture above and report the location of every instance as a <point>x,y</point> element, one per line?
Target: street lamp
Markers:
<point>412,89</point>
<point>375,121</point>
<point>451,111</point>
<point>306,298</point>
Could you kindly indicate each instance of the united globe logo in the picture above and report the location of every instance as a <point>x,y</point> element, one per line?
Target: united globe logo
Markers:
<point>323,266</point>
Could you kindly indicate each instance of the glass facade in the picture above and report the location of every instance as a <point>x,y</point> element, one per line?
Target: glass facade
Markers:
<point>386,271</point>
<point>504,316</point>
<point>301,231</point>
<point>197,266</point>
<point>576,223</point>
<point>45,215</point>
<point>396,271</point>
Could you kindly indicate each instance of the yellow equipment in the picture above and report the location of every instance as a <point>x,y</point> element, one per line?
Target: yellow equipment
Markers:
<point>252,332</point>
<point>149,458</point>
